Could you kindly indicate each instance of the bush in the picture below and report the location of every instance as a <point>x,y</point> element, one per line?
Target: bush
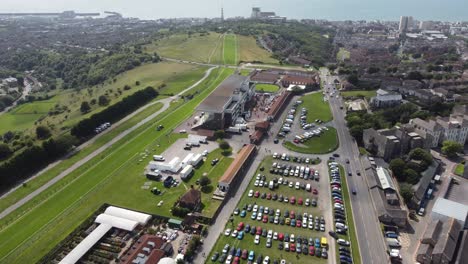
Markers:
<point>103,100</point>
<point>43,132</point>
<point>5,151</point>
<point>179,211</point>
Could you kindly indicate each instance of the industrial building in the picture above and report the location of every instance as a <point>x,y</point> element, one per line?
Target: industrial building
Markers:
<point>444,209</point>
<point>386,99</point>
<point>225,104</point>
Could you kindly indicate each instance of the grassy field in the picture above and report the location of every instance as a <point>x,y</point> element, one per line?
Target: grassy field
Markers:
<point>316,108</point>
<point>250,51</point>
<point>111,178</point>
<point>343,55</point>
<point>41,180</point>
<point>176,76</point>
<point>245,72</point>
<point>361,94</point>
<point>231,49</point>
<point>460,169</point>
<point>325,143</point>
<point>351,236</point>
<point>267,88</point>
<point>194,48</point>
<point>273,252</point>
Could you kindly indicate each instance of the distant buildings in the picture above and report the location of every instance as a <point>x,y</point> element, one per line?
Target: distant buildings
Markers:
<point>258,14</point>
<point>385,99</point>
<point>406,23</point>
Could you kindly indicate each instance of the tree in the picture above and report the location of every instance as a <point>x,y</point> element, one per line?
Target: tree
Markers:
<point>415,75</point>
<point>451,148</point>
<point>411,176</point>
<point>353,79</point>
<point>398,166</point>
<point>422,155</point>
<point>85,108</point>
<point>103,100</point>
<point>219,134</point>
<point>224,145</point>
<point>43,132</point>
<point>5,151</point>
<point>406,192</point>
<point>204,181</point>
<point>137,83</point>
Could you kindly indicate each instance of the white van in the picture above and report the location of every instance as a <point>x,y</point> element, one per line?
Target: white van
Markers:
<point>158,158</point>
<point>308,188</point>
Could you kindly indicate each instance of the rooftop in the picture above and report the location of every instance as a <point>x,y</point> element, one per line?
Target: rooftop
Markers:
<point>219,98</point>
<point>235,166</point>
<point>385,179</point>
<point>451,209</point>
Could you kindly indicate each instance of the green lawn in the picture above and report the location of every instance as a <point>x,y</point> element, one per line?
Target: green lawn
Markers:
<point>316,108</point>
<point>362,94</point>
<point>273,252</point>
<point>245,72</point>
<point>251,52</point>
<point>267,88</point>
<point>343,55</point>
<point>351,236</point>
<point>231,49</point>
<point>460,169</point>
<point>191,48</point>
<point>115,176</point>
<point>325,143</point>
<point>176,76</point>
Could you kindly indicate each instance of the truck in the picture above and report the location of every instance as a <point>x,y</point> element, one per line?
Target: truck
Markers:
<point>197,159</point>
<point>236,130</point>
<point>186,172</point>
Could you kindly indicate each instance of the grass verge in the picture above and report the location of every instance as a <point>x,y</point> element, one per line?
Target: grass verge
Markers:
<point>325,143</point>
<point>459,169</point>
<point>316,107</point>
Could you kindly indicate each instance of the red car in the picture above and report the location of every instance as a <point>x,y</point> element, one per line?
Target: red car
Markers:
<point>338,201</point>
<point>280,236</point>
<point>315,191</point>
<point>296,141</point>
<point>311,250</point>
<point>292,215</point>
<point>299,201</point>
<point>244,254</point>
<point>259,230</point>
<point>293,200</point>
<point>240,226</point>
<point>298,223</point>
<point>268,196</point>
<point>292,247</point>
<point>257,194</point>
<point>236,260</point>
<point>265,219</point>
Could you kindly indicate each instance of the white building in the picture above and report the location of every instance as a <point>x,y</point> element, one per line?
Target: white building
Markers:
<point>386,99</point>
<point>406,23</point>
<point>453,128</point>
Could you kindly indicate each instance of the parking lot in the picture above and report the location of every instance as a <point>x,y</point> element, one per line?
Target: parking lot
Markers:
<point>275,216</point>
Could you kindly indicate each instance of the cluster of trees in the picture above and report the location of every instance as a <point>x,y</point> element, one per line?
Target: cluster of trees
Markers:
<point>409,171</point>
<point>451,148</point>
<point>76,68</point>
<point>358,121</point>
<point>33,158</point>
<point>85,128</point>
<point>6,101</point>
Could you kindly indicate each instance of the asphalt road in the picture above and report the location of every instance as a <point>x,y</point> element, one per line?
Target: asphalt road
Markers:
<point>370,239</point>
<point>166,103</point>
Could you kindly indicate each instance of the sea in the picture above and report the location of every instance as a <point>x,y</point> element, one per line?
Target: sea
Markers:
<point>385,10</point>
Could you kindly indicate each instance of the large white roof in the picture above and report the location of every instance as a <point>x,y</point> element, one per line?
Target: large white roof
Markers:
<point>450,208</point>
<point>128,214</point>
<point>86,244</point>
<point>385,179</point>
<point>112,217</point>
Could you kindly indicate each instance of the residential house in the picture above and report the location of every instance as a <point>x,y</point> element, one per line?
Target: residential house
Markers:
<point>386,99</point>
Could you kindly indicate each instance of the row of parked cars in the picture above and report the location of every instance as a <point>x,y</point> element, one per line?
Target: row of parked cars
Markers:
<point>231,254</point>
<point>287,157</point>
<point>102,127</point>
<point>303,172</point>
<point>309,134</point>
<point>339,213</point>
<point>280,198</point>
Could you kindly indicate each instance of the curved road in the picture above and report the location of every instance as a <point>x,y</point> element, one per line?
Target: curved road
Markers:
<point>166,104</point>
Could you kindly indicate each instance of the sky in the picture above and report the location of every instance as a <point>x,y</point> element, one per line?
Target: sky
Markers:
<point>448,10</point>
